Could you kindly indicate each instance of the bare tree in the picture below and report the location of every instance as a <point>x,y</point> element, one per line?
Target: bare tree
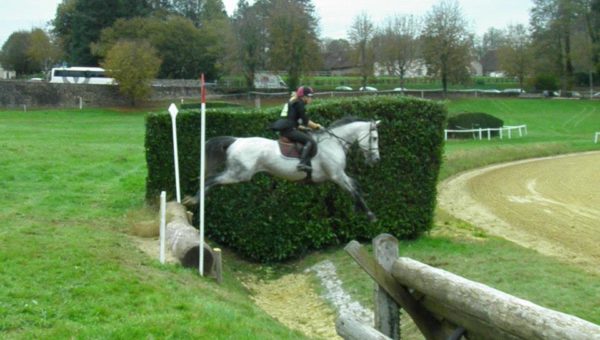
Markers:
<point>487,49</point>
<point>397,45</point>
<point>447,43</point>
<point>515,54</point>
<point>360,35</point>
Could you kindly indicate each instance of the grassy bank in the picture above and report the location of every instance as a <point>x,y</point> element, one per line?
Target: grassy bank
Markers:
<point>71,180</point>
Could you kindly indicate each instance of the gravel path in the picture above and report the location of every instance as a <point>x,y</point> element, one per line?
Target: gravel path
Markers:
<point>549,204</point>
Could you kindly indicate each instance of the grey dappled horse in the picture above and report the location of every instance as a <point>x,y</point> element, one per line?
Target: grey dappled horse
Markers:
<point>244,157</point>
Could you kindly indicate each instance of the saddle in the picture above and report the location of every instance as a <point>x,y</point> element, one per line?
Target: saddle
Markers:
<point>289,148</point>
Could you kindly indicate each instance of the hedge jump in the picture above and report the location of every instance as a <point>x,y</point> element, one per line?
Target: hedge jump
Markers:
<point>465,307</point>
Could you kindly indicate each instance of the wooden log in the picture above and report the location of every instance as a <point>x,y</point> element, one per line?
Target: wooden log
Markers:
<point>218,265</point>
<point>427,324</point>
<point>351,329</point>
<point>481,309</point>
<point>387,313</point>
<point>184,240</point>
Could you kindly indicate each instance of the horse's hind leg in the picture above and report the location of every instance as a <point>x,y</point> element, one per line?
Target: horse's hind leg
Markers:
<point>350,185</point>
<point>229,176</point>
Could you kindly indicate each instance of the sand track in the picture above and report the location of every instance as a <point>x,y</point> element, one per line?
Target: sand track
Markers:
<point>549,204</point>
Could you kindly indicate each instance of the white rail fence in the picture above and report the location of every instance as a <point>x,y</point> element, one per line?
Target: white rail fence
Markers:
<point>479,132</point>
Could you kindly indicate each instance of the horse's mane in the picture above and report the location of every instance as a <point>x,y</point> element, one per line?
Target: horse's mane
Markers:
<point>344,121</point>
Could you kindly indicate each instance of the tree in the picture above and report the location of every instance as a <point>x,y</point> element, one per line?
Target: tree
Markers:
<point>397,45</point>
<point>78,24</point>
<point>487,49</point>
<point>185,50</point>
<point>515,53</point>
<point>250,40</point>
<point>552,22</point>
<point>133,64</point>
<point>14,53</point>
<point>447,43</point>
<point>360,35</point>
<point>336,54</point>
<point>42,52</point>
<point>293,42</point>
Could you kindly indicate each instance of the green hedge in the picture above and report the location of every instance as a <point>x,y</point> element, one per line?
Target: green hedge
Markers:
<point>473,120</point>
<point>269,219</point>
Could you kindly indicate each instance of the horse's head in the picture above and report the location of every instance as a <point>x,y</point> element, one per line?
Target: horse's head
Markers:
<point>369,142</point>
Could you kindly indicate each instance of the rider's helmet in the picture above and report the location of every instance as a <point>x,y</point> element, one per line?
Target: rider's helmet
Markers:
<point>304,91</point>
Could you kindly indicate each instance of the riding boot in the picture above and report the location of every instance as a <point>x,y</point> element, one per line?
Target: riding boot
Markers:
<point>304,164</point>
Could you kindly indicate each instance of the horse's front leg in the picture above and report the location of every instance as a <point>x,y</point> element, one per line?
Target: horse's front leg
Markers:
<point>350,185</point>
<point>209,183</point>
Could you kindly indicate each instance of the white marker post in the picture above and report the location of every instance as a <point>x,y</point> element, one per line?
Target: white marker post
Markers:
<point>173,111</point>
<point>163,219</point>
<point>202,170</point>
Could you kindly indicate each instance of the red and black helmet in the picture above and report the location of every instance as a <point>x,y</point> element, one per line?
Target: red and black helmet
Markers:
<point>304,91</point>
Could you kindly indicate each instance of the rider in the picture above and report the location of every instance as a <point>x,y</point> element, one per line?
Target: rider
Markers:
<point>295,113</point>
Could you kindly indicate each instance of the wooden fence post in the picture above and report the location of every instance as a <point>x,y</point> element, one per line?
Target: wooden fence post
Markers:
<point>387,312</point>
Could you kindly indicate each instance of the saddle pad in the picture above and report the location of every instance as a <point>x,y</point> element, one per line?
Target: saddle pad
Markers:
<point>288,149</point>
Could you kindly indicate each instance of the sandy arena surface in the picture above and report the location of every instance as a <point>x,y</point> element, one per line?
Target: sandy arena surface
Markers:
<point>549,204</point>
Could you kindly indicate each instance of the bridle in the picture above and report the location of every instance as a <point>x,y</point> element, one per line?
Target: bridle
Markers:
<point>346,143</point>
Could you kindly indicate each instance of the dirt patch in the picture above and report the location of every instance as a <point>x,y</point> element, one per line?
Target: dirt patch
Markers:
<point>549,204</point>
<point>151,246</point>
<point>292,300</point>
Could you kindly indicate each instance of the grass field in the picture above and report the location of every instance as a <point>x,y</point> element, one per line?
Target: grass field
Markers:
<point>73,182</point>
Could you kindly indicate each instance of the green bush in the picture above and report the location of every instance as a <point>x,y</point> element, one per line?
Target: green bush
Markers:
<point>269,219</point>
<point>545,82</point>
<point>473,120</point>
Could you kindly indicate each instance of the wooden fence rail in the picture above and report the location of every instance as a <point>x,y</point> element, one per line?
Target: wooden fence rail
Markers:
<point>444,305</point>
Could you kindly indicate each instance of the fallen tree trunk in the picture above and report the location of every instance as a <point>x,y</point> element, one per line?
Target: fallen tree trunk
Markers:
<point>184,240</point>
<point>486,312</point>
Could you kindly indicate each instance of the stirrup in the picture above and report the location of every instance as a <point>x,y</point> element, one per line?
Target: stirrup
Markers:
<point>304,167</point>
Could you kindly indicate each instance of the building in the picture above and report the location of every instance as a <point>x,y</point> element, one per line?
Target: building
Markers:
<point>6,74</point>
<point>416,68</point>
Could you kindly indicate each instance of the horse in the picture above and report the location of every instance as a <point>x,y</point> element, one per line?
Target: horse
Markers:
<point>244,157</point>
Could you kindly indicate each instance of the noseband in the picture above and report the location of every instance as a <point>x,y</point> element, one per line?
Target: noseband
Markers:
<point>346,143</point>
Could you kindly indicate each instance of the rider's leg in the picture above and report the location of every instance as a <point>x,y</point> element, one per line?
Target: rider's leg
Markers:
<point>307,150</point>
<point>304,164</point>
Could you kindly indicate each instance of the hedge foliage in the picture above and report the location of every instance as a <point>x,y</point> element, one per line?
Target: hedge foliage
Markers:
<point>473,120</point>
<point>269,219</point>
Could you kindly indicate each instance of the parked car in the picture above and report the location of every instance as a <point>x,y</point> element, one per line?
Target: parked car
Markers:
<point>343,88</point>
<point>399,89</point>
<point>368,89</point>
<point>517,91</point>
<point>491,91</point>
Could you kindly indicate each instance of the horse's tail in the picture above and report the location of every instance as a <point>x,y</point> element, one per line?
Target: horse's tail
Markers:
<point>216,153</point>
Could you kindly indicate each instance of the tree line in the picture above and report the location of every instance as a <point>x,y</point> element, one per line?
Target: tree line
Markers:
<point>183,38</point>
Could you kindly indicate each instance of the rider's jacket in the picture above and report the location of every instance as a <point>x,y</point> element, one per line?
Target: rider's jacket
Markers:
<point>297,113</point>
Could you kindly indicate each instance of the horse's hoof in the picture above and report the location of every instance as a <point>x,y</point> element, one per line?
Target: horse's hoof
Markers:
<point>189,200</point>
<point>372,217</point>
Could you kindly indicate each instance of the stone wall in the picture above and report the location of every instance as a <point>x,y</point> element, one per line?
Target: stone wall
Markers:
<point>15,93</point>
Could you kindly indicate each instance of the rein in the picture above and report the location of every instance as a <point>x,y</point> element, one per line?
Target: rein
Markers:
<point>346,143</point>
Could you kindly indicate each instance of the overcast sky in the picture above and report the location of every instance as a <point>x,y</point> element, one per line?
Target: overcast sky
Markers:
<point>336,16</point>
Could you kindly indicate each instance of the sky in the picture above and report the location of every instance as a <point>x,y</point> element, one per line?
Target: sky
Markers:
<point>336,16</point>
